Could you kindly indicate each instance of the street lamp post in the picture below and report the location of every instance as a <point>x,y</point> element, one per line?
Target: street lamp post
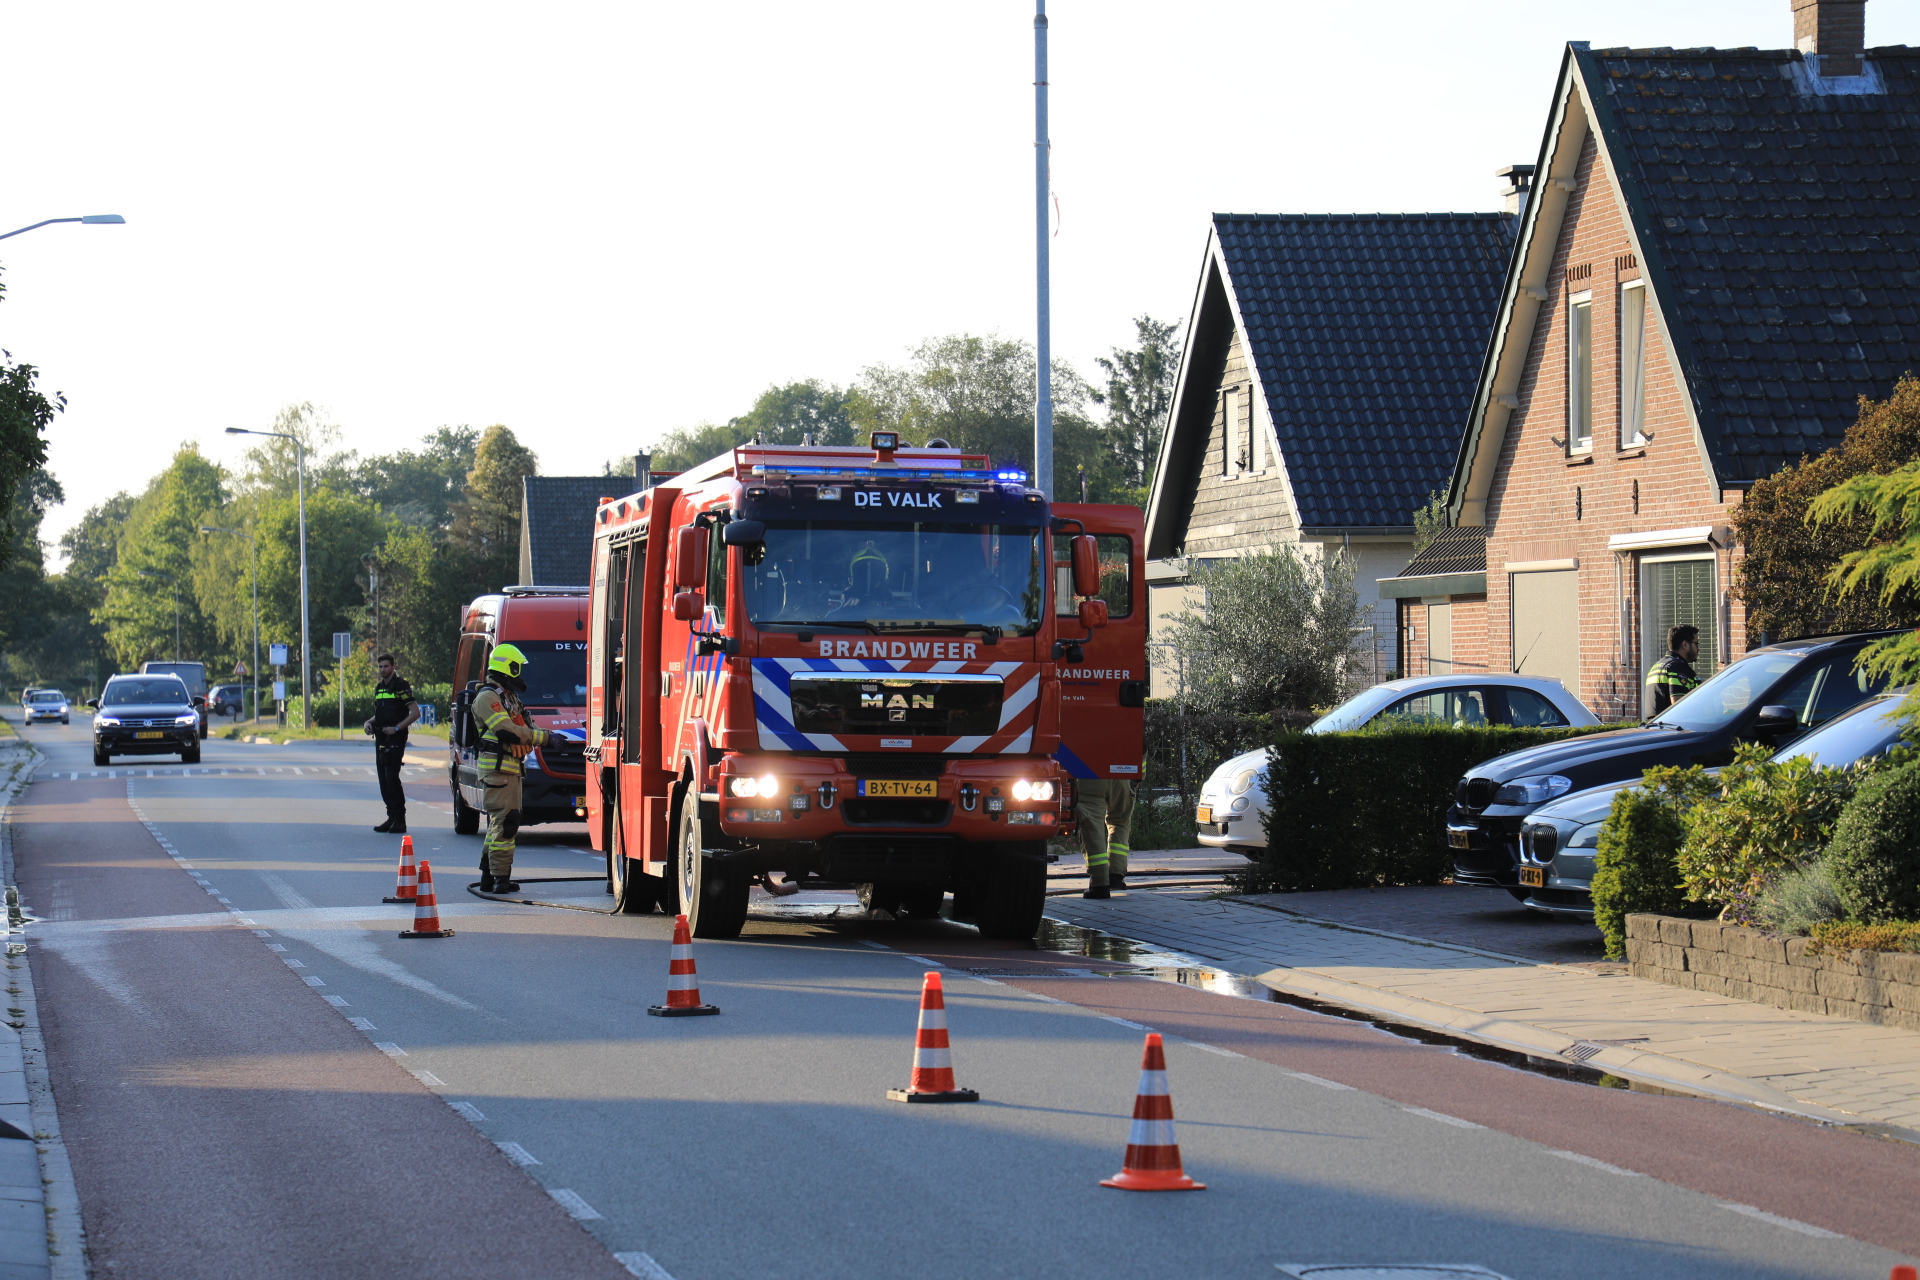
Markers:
<point>175,588</point>
<point>255,547</point>
<point>91,219</point>
<point>306,645</point>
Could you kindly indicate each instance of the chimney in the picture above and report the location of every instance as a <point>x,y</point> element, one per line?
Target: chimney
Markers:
<point>1835,30</point>
<point>643,471</point>
<point>1519,182</point>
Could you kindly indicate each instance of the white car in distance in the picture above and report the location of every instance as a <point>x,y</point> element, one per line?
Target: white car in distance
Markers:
<point>1233,803</point>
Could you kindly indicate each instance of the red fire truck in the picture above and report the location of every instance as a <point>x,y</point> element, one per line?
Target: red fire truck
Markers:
<point>882,667</point>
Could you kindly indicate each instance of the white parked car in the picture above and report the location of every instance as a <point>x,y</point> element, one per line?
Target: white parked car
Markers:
<point>1233,803</point>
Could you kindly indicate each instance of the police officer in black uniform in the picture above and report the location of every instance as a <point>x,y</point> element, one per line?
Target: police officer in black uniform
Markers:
<point>393,710</point>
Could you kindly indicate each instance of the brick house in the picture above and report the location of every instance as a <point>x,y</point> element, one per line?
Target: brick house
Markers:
<point>1719,258</point>
<point>1329,366</point>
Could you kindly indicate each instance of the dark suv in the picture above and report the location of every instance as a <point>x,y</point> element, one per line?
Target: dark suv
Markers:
<point>145,715</point>
<point>1773,695</point>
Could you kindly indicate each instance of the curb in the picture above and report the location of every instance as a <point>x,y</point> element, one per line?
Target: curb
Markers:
<point>65,1249</point>
<point>1640,1065</point>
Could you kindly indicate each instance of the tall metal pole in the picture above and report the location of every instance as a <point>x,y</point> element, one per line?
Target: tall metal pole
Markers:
<point>255,546</point>
<point>306,641</point>
<point>1043,399</point>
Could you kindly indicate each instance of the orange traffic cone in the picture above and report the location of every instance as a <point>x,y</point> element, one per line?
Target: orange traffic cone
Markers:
<point>932,1065</point>
<point>683,983</point>
<point>426,910</point>
<point>408,888</point>
<point>1153,1157</point>
<point>1904,1272</point>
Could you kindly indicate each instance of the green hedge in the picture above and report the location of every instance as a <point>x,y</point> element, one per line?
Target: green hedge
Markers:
<point>1352,810</point>
<point>326,706</point>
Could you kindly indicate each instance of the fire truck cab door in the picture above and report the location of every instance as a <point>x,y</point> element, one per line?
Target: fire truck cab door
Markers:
<point>1102,700</point>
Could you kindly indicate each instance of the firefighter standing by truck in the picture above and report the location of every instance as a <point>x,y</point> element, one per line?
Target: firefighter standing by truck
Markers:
<point>1103,808</point>
<point>506,737</point>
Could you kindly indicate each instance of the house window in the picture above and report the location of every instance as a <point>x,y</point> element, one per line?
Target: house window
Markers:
<point>1677,590</point>
<point>1230,459</point>
<point>1633,364</point>
<point>1580,373</point>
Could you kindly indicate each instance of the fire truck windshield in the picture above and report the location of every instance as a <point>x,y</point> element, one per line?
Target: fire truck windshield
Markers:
<point>898,577</point>
<point>556,673</point>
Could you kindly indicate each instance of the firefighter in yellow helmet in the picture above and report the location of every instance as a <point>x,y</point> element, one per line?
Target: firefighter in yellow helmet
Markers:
<point>506,737</point>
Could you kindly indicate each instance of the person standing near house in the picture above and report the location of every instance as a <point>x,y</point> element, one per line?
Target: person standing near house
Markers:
<point>393,711</point>
<point>506,738</point>
<point>1673,677</point>
<point>1104,811</point>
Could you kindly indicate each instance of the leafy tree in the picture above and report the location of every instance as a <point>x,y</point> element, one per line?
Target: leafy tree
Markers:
<point>341,528</point>
<point>1786,575</point>
<point>423,585</point>
<point>1276,632</point>
<point>138,612</point>
<point>273,464</point>
<point>421,487</point>
<point>486,522</point>
<point>1139,396</point>
<point>786,414</point>
<point>24,585</point>
<point>1428,521</point>
<point>689,447</point>
<point>1886,511</point>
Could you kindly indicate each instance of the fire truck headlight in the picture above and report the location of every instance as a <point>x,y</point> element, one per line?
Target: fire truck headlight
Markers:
<point>769,786</point>
<point>1043,791</point>
<point>1023,790</point>
<point>744,787</point>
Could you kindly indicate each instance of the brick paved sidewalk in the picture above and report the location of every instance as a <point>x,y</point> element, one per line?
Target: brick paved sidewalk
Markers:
<point>1830,1069</point>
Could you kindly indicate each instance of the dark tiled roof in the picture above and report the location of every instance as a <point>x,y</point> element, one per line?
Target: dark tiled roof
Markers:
<point>1367,331</point>
<point>1781,230</point>
<point>1451,551</point>
<point>556,525</point>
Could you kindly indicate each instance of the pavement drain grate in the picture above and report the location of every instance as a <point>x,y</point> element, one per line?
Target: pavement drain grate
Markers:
<point>1386,1270</point>
<point>1582,1051</point>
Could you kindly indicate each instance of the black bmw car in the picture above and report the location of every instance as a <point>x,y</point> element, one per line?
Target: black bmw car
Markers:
<point>1772,696</point>
<point>143,716</point>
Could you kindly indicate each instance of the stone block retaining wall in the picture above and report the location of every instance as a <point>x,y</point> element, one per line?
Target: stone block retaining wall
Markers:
<point>1732,960</point>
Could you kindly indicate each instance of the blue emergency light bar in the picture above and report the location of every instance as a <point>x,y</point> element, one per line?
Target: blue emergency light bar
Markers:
<point>892,473</point>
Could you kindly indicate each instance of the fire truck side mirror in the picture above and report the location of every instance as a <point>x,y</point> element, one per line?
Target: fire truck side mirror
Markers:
<point>1093,613</point>
<point>689,559</point>
<point>1086,566</point>
<point>688,605</point>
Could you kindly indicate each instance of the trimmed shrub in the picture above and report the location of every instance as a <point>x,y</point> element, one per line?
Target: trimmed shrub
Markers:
<point>326,706</point>
<point>1875,852</point>
<point>1797,901</point>
<point>1846,935</point>
<point>1636,868</point>
<point>1351,810</point>
<point>1762,818</point>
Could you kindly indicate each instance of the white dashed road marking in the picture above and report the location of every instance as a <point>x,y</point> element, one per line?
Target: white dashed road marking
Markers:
<point>1591,1163</point>
<point>1324,1084</point>
<point>570,1201</point>
<point>1443,1118</point>
<point>1804,1228</point>
<point>518,1154</point>
<point>642,1265</point>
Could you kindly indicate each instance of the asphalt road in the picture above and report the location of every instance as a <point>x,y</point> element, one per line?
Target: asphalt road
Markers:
<point>257,1076</point>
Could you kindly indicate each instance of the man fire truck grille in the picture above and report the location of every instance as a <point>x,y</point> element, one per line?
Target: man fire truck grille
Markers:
<point>908,707</point>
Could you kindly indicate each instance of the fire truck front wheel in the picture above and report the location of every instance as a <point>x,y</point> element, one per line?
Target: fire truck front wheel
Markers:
<point>1013,893</point>
<point>713,896</point>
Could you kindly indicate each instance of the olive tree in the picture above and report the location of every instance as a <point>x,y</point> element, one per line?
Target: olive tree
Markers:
<point>1275,631</point>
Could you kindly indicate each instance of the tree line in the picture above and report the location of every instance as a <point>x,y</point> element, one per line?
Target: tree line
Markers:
<point>398,542</point>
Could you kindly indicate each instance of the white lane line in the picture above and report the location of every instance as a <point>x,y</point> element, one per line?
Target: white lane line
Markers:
<point>271,946</point>
<point>389,1048</point>
<point>570,1201</point>
<point>1210,1048</point>
<point>1324,1084</point>
<point>292,963</point>
<point>1137,1026</point>
<point>312,981</point>
<point>334,772</point>
<point>877,946</point>
<point>1804,1228</point>
<point>1442,1117</point>
<point>288,895</point>
<point>467,1109</point>
<point>642,1265</point>
<point>363,1024</point>
<point>516,1153</point>
<point>1591,1163</point>
<point>265,933</point>
<point>429,1079</point>
<point>338,1002</point>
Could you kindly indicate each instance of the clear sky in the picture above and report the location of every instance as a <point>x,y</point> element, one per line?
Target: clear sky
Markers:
<point>596,222</point>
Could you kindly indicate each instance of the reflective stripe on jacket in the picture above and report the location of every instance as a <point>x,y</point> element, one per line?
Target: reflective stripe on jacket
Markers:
<point>505,734</point>
<point>1671,679</point>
